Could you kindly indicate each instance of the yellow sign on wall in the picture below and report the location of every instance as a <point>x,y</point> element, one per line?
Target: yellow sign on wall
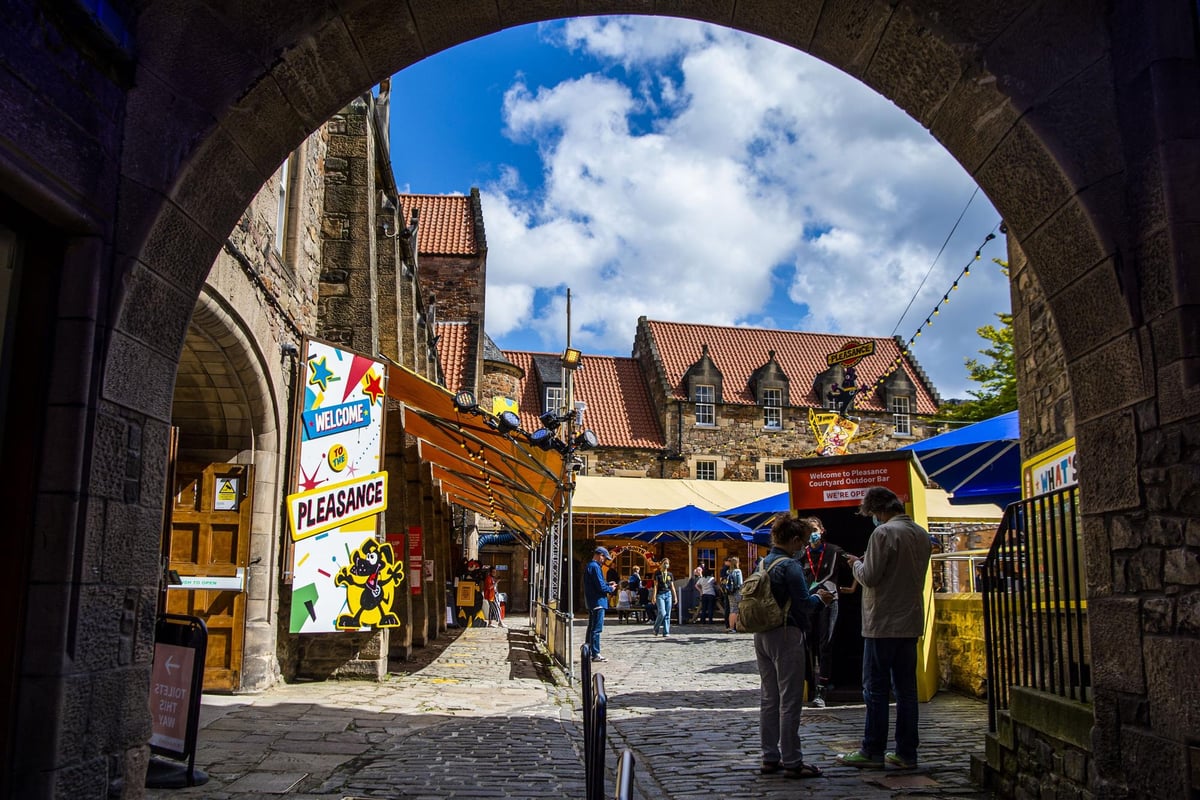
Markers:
<point>466,593</point>
<point>1049,470</point>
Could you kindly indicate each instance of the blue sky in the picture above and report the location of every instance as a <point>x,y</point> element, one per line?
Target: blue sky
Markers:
<point>691,173</point>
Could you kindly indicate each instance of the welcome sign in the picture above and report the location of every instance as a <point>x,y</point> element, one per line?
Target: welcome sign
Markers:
<point>341,580</point>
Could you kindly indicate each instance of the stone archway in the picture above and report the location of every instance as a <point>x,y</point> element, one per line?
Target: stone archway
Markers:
<point>1072,117</point>
<point>228,410</point>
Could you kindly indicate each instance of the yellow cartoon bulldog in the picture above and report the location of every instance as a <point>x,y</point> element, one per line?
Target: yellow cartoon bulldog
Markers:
<point>370,580</point>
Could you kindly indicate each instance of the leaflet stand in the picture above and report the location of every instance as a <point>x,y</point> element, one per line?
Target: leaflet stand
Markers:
<point>180,645</point>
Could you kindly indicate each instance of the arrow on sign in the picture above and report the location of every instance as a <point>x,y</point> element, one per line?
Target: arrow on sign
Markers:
<point>171,665</point>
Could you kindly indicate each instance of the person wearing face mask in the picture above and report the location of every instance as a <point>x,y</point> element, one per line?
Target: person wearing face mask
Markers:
<point>825,566</point>
<point>779,652</point>
<point>892,574</point>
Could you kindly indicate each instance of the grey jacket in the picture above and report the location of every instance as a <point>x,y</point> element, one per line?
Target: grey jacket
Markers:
<point>892,573</point>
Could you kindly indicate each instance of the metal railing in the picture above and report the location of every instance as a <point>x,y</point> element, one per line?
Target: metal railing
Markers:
<point>1035,602</point>
<point>958,572</point>
<point>595,735</point>
<point>625,776</point>
<point>595,725</point>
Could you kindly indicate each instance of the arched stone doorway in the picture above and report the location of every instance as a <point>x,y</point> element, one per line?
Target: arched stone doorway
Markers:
<point>227,413</point>
<point>1072,117</point>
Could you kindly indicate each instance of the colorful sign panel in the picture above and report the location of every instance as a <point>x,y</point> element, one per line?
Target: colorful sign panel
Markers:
<point>1049,470</point>
<point>833,432</point>
<point>845,484</point>
<point>342,577</point>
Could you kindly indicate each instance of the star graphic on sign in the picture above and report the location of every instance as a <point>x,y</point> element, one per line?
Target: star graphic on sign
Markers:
<point>322,375</point>
<point>310,482</point>
<point>373,386</point>
<point>351,471</point>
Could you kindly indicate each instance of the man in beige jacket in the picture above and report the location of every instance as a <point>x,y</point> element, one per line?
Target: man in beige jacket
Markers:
<point>892,574</point>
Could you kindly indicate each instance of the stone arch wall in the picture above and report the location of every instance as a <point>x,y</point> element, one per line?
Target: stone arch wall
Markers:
<point>243,396</point>
<point>1074,118</point>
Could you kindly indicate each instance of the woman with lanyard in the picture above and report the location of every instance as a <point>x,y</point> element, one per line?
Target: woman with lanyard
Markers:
<point>823,562</point>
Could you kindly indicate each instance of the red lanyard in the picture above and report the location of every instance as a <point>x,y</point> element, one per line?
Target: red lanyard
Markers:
<point>817,569</point>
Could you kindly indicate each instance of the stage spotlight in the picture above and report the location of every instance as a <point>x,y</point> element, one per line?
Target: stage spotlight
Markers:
<point>465,402</point>
<point>586,440</point>
<point>507,422</point>
<point>542,438</point>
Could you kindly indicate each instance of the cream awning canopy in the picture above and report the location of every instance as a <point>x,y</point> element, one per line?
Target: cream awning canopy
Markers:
<point>644,497</point>
<point>473,464</point>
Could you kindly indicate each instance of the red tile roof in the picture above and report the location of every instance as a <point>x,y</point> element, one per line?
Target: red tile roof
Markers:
<point>619,409</point>
<point>447,225</point>
<point>738,352</point>
<point>453,348</point>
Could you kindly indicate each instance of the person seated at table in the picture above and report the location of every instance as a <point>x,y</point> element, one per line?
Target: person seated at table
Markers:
<point>647,605</point>
<point>624,604</point>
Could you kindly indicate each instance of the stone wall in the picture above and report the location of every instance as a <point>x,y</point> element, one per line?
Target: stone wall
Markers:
<point>1043,391</point>
<point>958,633</point>
<point>1041,749</point>
<point>349,312</point>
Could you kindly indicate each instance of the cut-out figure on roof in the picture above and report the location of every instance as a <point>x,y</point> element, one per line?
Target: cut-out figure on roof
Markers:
<point>844,394</point>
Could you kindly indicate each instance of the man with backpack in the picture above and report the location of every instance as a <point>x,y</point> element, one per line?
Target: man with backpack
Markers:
<point>774,607</point>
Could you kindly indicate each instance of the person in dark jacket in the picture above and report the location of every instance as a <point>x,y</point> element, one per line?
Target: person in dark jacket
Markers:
<point>596,589</point>
<point>780,652</point>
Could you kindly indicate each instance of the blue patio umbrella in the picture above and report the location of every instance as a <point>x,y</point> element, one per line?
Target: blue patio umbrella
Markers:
<point>758,512</point>
<point>979,463</point>
<point>686,524</point>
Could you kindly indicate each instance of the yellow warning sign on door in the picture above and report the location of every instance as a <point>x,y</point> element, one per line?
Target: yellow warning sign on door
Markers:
<point>227,495</point>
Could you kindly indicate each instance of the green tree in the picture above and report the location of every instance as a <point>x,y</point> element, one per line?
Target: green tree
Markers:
<point>996,375</point>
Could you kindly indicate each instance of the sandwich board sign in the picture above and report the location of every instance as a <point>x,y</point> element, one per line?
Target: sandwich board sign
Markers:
<point>176,683</point>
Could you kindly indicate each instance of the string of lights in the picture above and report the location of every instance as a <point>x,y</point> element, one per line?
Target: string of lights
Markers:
<point>906,348</point>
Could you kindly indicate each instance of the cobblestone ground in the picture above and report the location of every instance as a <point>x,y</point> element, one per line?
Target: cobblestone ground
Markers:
<point>490,718</point>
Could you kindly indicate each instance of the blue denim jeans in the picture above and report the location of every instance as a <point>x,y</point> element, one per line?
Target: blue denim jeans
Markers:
<point>595,625</point>
<point>708,606</point>
<point>890,665</point>
<point>662,607</point>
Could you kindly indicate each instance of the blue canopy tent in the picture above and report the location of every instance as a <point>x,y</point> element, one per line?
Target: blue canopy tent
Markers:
<point>979,463</point>
<point>758,512</point>
<point>686,524</point>
<point>759,536</point>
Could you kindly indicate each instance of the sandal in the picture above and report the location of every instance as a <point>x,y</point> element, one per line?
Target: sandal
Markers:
<point>802,771</point>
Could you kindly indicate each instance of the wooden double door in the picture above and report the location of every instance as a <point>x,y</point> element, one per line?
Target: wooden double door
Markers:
<point>207,550</point>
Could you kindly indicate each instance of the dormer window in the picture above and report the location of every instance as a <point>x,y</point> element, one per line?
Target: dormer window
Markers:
<point>702,382</point>
<point>556,398</point>
<point>705,398</point>
<point>772,403</point>
<point>901,396</point>
<point>770,385</point>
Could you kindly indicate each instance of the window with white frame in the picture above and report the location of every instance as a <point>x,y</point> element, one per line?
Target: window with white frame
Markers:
<point>901,417</point>
<point>706,470</point>
<point>705,409</point>
<point>707,557</point>
<point>772,402</point>
<point>283,213</point>
<point>556,398</point>
<point>773,473</point>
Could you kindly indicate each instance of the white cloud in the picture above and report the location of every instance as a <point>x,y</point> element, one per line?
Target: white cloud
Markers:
<point>675,186</point>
